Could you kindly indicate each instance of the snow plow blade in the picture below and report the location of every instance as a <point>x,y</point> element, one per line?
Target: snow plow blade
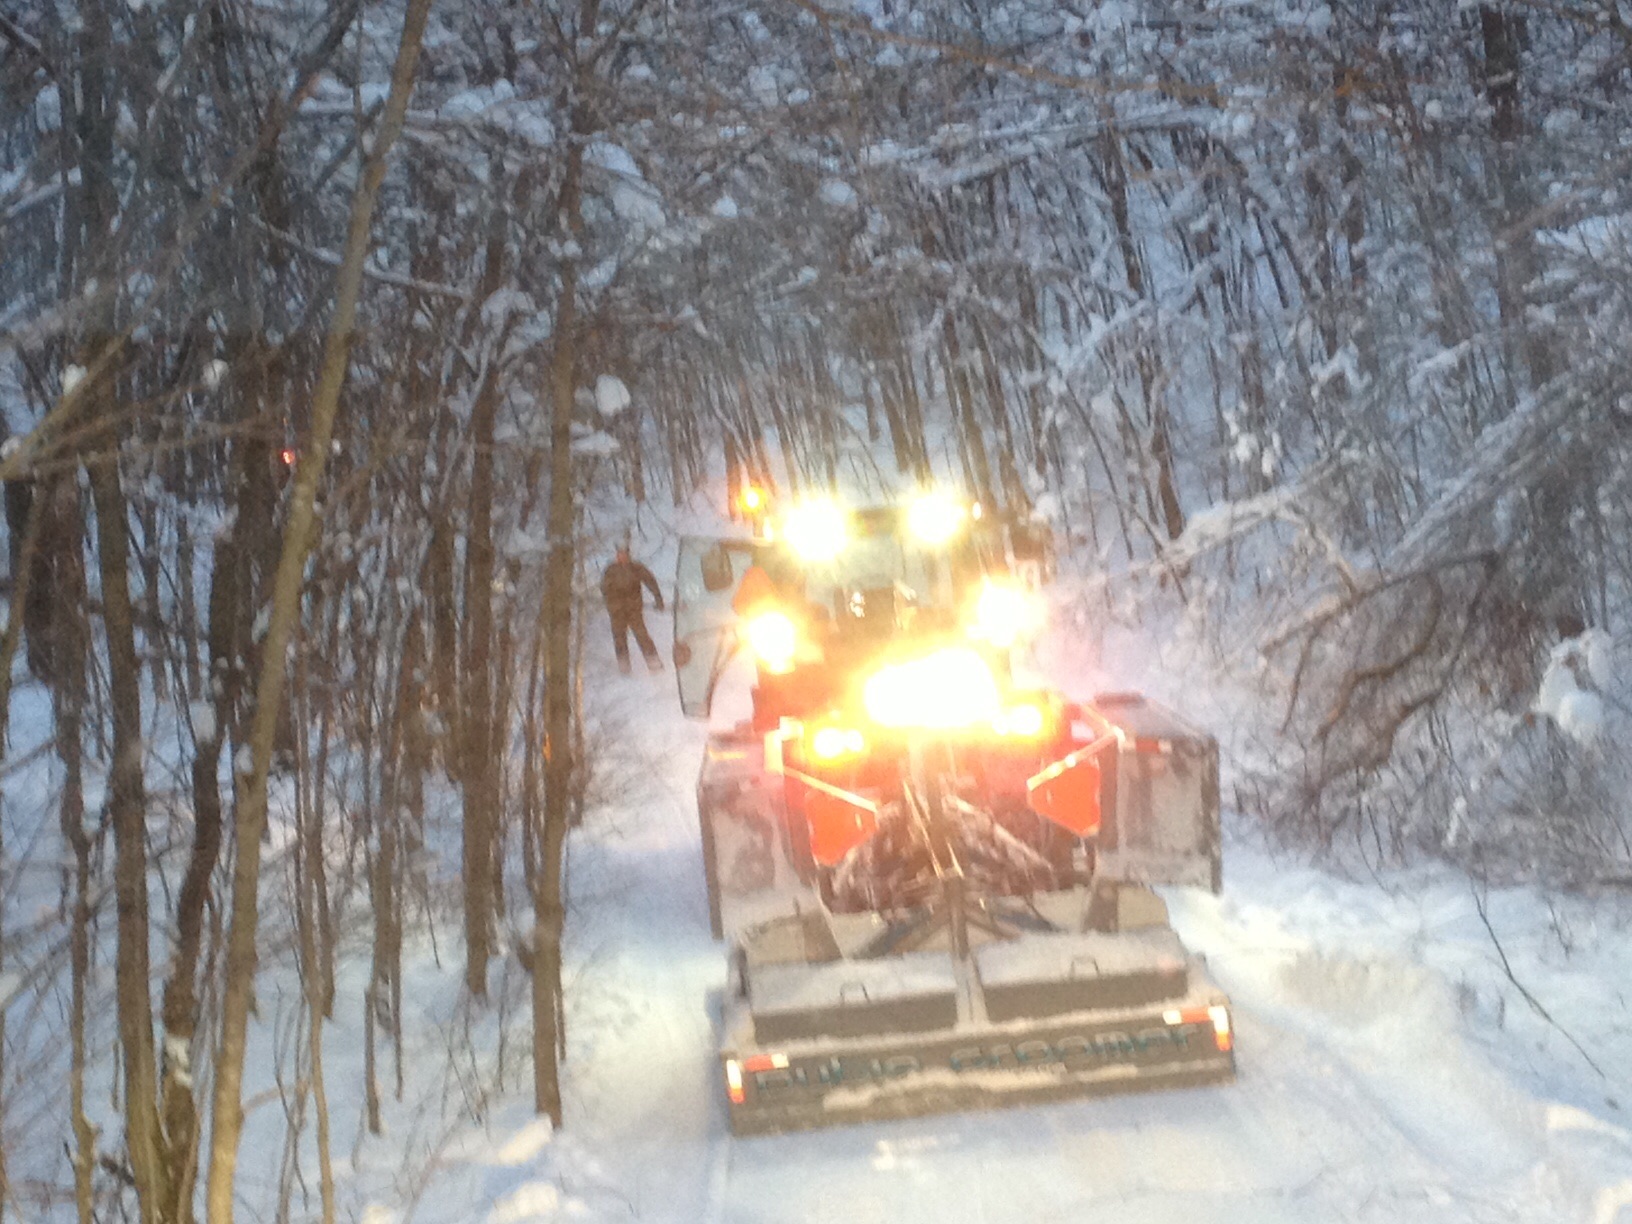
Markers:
<point>1046,1017</point>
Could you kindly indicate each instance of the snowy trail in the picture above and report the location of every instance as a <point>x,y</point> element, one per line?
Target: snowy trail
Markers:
<point>637,1056</point>
<point>1361,1095</point>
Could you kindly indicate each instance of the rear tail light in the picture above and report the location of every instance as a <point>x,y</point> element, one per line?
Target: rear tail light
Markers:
<point>1217,1015</point>
<point>733,1082</point>
<point>1223,1034</point>
<point>734,1071</point>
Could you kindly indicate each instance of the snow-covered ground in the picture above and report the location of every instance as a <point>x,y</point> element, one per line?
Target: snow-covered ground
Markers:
<point>1389,1068</point>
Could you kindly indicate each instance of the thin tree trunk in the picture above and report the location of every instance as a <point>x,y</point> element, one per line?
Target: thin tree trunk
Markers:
<point>385,901</point>
<point>1503,33</point>
<point>580,749</point>
<point>186,607</point>
<point>911,405</point>
<point>251,804</point>
<point>1165,496</point>
<point>71,644</point>
<point>556,625</point>
<point>22,577</point>
<point>480,770</point>
<point>309,869</point>
<point>320,1094</point>
<point>79,955</point>
<point>70,637</point>
<point>444,636</point>
<point>320,880</point>
<point>962,396</point>
<point>127,812</point>
<point>228,577</point>
<point>1556,585</point>
<point>499,738</point>
<point>5,1183</point>
<point>549,914</point>
<point>126,804</point>
<point>379,890</point>
<point>1014,490</point>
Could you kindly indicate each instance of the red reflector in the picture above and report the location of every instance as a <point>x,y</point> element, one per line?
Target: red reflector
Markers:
<point>765,1062</point>
<point>838,820</point>
<point>1067,792</point>
<point>1217,1015</point>
<point>837,827</point>
<point>1190,1015</point>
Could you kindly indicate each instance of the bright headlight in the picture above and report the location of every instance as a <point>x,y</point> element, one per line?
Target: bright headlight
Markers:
<point>943,691</point>
<point>1002,615</point>
<point>1023,721</point>
<point>934,519</point>
<point>831,743</point>
<point>773,637</point>
<point>816,530</point>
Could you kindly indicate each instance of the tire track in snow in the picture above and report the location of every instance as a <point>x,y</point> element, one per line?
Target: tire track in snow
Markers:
<point>719,1181</point>
<point>1383,1043</point>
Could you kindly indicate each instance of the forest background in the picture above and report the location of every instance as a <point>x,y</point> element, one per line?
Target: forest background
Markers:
<point>339,341</point>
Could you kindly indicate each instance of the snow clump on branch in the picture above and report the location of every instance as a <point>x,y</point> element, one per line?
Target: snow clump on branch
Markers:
<point>1571,690</point>
<point>611,396</point>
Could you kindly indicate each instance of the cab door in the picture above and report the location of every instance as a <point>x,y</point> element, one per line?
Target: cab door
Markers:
<point>707,574</point>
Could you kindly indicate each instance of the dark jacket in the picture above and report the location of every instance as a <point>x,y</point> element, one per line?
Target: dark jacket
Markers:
<point>621,583</point>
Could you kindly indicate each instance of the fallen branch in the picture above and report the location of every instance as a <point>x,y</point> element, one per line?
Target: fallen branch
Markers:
<point>1535,1003</point>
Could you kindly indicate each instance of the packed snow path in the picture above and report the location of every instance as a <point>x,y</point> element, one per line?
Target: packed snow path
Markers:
<point>1374,1083</point>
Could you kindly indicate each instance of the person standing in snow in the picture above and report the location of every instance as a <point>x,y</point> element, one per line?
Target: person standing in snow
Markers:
<point>621,590</point>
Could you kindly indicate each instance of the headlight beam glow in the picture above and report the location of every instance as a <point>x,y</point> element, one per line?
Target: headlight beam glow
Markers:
<point>816,530</point>
<point>944,691</point>
<point>774,639</point>
<point>1003,615</point>
<point>934,518</point>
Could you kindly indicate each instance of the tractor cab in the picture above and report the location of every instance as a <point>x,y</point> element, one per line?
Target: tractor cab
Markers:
<point>820,593</point>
